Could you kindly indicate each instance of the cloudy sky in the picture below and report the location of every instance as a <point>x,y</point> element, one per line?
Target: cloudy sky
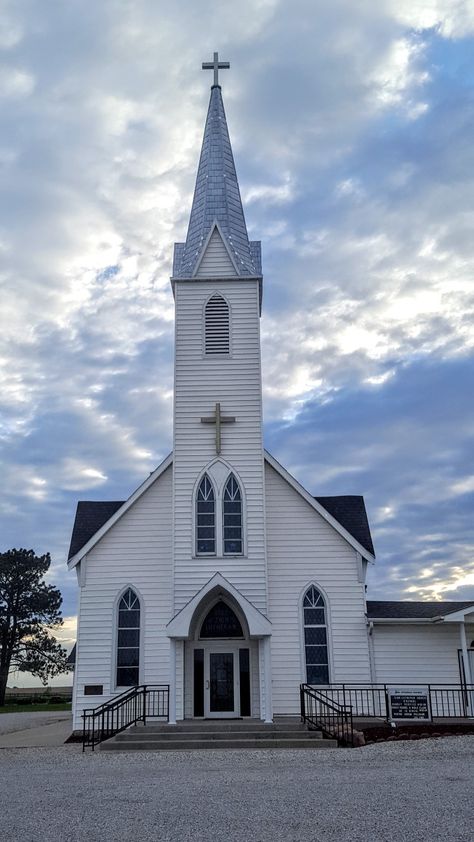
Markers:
<point>352,127</point>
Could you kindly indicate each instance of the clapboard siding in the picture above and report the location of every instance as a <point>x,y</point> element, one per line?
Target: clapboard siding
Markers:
<point>234,381</point>
<point>215,260</point>
<point>137,551</point>
<point>422,654</point>
<point>303,548</point>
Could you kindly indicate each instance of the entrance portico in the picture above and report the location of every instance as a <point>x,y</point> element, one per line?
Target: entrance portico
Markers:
<point>220,656</point>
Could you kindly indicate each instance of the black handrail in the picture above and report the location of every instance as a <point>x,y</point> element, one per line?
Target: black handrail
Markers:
<point>132,706</point>
<point>447,701</point>
<point>332,718</point>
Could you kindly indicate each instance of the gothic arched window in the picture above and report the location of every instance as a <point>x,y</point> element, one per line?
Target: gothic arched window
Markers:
<point>216,326</point>
<point>232,517</point>
<point>128,639</point>
<point>205,518</point>
<point>315,637</point>
<point>221,621</point>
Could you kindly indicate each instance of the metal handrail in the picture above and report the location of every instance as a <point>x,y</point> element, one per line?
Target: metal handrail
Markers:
<point>131,706</point>
<point>447,700</point>
<point>334,719</point>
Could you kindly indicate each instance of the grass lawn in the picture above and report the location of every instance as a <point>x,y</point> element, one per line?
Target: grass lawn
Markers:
<point>40,707</point>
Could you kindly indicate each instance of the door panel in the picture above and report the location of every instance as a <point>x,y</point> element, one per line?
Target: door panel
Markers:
<point>221,682</point>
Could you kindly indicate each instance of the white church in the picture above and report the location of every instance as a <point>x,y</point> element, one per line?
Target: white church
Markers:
<point>221,576</point>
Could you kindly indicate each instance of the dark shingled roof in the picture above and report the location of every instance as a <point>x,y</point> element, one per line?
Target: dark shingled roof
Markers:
<point>90,516</point>
<point>71,658</point>
<point>349,511</point>
<point>412,610</point>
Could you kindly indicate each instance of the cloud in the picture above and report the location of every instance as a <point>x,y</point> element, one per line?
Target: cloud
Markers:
<point>352,129</point>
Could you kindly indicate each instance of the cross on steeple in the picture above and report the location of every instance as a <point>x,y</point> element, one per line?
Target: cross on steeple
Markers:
<point>218,419</point>
<point>216,65</point>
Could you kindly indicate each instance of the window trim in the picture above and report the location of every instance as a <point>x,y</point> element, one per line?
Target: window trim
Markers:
<point>226,354</point>
<point>118,598</point>
<point>218,485</point>
<point>302,634</point>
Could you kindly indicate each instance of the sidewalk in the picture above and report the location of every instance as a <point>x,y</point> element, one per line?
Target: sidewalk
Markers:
<point>28,734</point>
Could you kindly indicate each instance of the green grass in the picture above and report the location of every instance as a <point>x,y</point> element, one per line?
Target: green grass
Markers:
<point>27,708</point>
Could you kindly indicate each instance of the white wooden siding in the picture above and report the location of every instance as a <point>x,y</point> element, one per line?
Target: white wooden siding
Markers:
<point>303,549</point>
<point>425,654</point>
<point>137,552</point>
<point>235,382</point>
<point>216,262</point>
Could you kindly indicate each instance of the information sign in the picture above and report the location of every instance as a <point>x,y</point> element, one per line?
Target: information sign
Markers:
<point>409,703</point>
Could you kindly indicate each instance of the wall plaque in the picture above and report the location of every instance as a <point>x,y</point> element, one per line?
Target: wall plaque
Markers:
<point>93,689</point>
<point>409,703</point>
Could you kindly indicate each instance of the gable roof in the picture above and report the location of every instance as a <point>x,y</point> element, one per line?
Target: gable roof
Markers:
<point>346,514</point>
<point>385,610</point>
<point>90,516</point>
<point>95,512</point>
<point>350,512</point>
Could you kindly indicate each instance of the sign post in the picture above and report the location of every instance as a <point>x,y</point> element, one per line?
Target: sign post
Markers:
<point>409,704</point>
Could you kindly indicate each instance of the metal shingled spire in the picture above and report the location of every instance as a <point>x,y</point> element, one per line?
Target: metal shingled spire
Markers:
<point>216,198</point>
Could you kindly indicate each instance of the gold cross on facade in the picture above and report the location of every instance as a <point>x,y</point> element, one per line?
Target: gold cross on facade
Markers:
<point>218,419</point>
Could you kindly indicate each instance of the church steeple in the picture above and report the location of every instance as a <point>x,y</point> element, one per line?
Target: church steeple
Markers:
<point>217,202</point>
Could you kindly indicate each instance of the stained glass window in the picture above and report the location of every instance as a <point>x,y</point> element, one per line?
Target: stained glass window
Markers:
<point>205,518</point>
<point>232,516</point>
<point>221,621</point>
<point>128,640</point>
<point>315,637</point>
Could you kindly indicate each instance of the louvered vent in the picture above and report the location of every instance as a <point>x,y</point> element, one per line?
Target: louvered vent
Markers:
<point>217,327</point>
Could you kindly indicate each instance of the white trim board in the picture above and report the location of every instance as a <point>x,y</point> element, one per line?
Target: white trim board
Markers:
<point>258,624</point>
<point>118,514</point>
<point>215,225</point>
<point>318,507</point>
<point>271,461</point>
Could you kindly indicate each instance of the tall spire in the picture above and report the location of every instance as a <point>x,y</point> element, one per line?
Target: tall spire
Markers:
<point>217,197</point>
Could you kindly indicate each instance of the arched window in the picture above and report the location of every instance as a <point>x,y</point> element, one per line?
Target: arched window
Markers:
<point>221,621</point>
<point>128,640</point>
<point>232,517</point>
<point>216,326</point>
<point>205,518</point>
<point>315,637</point>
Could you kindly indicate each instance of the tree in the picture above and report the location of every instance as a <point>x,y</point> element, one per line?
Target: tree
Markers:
<point>28,608</point>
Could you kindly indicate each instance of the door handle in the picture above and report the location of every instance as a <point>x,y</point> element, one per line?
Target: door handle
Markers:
<point>207,685</point>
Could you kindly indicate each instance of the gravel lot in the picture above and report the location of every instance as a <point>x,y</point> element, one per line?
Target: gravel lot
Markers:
<point>11,722</point>
<point>390,791</point>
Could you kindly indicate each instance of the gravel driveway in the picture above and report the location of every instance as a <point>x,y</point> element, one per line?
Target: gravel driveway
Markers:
<point>391,791</point>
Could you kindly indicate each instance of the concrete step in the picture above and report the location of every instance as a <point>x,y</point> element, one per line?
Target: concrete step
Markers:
<point>227,725</point>
<point>191,744</point>
<point>142,734</point>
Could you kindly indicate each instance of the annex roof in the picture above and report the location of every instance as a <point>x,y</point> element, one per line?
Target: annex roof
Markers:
<point>403,610</point>
<point>217,200</point>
